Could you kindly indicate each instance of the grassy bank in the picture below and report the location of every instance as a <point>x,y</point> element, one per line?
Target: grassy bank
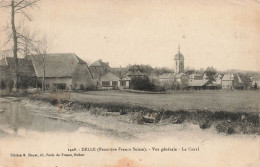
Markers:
<point>19,93</point>
<point>223,121</point>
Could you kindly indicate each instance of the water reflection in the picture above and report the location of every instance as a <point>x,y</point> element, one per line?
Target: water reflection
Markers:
<point>18,119</point>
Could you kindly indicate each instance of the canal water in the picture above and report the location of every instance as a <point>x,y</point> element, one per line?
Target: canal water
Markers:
<point>57,136</point>
<point>16,119</point>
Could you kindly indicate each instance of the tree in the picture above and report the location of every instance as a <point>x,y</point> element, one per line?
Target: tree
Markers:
<point>17,7</point>
<point>211,72</point>
<point>162,70</point>
<point>40,48</point>
<point>142,83</point>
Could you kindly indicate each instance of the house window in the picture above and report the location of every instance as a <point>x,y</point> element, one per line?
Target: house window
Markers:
<point>114,83</point>
<point>105,83</point>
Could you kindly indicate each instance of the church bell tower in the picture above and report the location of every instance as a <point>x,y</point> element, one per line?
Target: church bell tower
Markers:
<point>179,62</point>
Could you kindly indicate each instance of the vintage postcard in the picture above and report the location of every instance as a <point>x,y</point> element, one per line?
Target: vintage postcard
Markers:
<point>129,83</point>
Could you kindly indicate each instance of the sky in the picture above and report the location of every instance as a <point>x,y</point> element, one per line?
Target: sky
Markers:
<point>224,34</point>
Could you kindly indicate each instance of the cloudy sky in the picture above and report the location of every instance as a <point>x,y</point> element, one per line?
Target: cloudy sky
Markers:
<point>224,34</point>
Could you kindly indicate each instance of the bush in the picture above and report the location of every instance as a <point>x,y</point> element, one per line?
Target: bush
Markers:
<point>142,83</point>
<point>225,127</point>
<point>27,81</point>
<point>90,88</point>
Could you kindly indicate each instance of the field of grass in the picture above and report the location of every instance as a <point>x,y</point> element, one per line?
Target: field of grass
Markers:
<point>215,100</point>
<point>227,111</point>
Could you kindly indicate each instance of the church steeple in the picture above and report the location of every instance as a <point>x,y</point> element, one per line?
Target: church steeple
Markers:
<point>179,61</point>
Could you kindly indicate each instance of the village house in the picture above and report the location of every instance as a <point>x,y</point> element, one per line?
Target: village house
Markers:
<point>229,81</point>
<point>132,72</point>
<point>62,71</point>
<point>236,81</point>
<point>99,68</point>
<point>109,80</point>
<point>125,82</point>
<point>113,81</point>
<point>199,84</point>
<point>246,81</point>
<point>119,71</point>
<point>255,82</point>
<point>182,80</point>
<point>195,76</point>
<point>202,82</point>
<point>26,74</point>
<point>174,81</point>
<point>167,78</point>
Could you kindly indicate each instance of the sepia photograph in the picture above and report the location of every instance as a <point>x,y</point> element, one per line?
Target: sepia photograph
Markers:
<point>129,83</point>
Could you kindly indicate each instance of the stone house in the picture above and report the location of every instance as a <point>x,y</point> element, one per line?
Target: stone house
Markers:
<point>229,81</point>
<point>174,81</point>
<point>62,71</point>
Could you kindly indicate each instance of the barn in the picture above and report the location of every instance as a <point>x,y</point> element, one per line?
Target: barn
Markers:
<point>62,71</point>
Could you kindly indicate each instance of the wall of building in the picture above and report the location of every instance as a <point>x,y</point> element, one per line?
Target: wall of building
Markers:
<point>179,66</point>
<point>82,77</point>
<point>184,80</point>
<point>51,82</point>
<point>227,84</point>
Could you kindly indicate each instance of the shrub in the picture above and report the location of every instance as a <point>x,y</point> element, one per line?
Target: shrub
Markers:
<point>225,127</point>
<point>142,83</point>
